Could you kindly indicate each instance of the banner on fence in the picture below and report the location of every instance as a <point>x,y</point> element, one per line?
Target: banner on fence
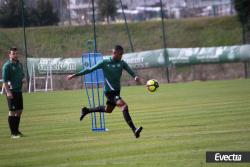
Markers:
<point>152,58</point>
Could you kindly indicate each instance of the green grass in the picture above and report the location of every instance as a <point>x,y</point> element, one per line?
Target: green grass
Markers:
<point>71,41</point>
<point>181,122</point>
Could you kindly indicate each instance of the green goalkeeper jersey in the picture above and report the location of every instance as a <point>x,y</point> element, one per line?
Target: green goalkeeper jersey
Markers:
<point>112,71</point>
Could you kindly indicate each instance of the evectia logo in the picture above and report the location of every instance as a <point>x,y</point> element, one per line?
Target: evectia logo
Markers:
<point>225,158</point>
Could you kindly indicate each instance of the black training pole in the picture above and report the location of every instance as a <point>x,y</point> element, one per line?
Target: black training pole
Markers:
<point>94,27</point>
<point>243,28</point>
<point>127,29</point>
<point>25,44</point>
<point>164,42</point>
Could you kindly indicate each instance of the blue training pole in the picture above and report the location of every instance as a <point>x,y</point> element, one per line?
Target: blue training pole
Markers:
<point>93,81</point>
<point>87,92</point>
<point>93,115</point>
<point>98,95</point>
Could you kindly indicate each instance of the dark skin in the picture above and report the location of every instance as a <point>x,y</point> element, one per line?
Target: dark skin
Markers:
<point>121,104</point>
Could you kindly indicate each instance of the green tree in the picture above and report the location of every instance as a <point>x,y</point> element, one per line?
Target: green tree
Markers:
<point>10,13</point>
<point>107,9</point>
<point>42,15</point>
<point>243,10</point>
<point>45,14</point>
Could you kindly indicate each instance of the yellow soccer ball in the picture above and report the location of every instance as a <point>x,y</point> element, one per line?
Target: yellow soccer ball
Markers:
<point>152,85</point>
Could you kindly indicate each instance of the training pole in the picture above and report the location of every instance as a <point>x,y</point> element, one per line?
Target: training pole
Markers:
<point>127,29</point>
<point>25,44</point>
<point>94,84</point>
<point>164,42</point>
<point>94,27</point>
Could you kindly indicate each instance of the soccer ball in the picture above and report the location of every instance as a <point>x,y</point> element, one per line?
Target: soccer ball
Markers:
<point>152,85</point>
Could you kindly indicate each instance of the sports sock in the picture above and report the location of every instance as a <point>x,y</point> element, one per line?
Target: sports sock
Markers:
<point>17,122</point>
<point>97,109</point>
<point>11,121</point>
<point>128,119</point>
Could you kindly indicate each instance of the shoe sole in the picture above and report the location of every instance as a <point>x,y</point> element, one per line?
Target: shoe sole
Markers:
<point>15,137</point>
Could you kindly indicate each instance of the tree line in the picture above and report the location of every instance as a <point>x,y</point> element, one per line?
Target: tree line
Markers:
<point>41,14</point>
<point>243,10</point>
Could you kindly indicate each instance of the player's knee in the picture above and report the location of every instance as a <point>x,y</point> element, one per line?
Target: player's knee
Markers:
<point>121,103</point>
<point>18,113</point>
<point>124,108</point>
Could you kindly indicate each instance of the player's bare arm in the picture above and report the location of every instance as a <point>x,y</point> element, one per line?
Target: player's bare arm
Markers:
<point>69,77</point>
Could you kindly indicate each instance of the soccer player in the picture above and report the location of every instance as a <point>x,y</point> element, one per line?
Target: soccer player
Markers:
<point>12,73</point>
<point>112,70</point>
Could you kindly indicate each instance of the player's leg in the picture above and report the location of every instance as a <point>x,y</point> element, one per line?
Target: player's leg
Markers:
<point>86,111</point>
<point>108,109</point>
<point>11,121</point>
<point>15,110</point>
<point>17,121</point>
<point>110,105</point>
<point>124,108</point>
<point>19,108</point>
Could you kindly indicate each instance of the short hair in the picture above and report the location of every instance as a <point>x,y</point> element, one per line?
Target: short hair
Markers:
<point>119,48</point>
<point>13,49</point>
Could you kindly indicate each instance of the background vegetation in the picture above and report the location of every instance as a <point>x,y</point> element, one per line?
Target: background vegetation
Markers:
<point>71,41</point>
<point>12,13</point>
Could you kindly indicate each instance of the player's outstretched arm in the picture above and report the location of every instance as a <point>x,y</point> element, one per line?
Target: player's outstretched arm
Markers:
<point>85,71</point>
<point>69,77</point>
<point>128,69</point>
<point>132,73</point>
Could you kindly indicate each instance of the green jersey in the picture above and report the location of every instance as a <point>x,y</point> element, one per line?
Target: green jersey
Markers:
<point>112,71</point>
<point>13,73</point>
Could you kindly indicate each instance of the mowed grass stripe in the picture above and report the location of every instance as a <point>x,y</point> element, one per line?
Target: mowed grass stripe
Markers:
<point>181,122</point>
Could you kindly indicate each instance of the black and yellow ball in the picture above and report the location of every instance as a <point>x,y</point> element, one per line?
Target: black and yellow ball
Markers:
<point>152,85</point>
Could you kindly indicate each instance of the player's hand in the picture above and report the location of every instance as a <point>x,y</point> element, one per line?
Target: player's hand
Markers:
<point>9,95</point>
<point>69,77</point>
<point>137,79</point>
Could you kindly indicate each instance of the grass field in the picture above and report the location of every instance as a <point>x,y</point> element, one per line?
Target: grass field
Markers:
<point>181,122</point>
